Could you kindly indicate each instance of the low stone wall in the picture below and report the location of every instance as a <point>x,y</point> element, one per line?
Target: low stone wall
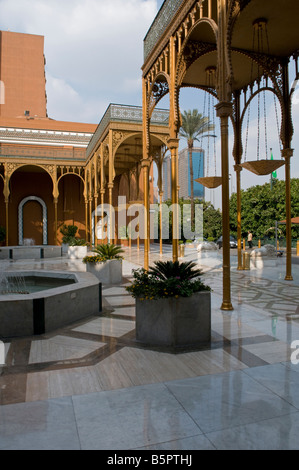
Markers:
<point>44,311</point>
<point>30,252</point>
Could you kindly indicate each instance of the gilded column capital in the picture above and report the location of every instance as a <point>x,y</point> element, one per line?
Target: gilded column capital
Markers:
<point>238,167</point>
<point>173,143</point>
<point>145,163</point>
<point>287,153</point>
<point>224,109</point>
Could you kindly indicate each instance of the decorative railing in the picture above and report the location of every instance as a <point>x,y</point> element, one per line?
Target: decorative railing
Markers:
<point>40,153</point>
<point>162,20</point>
<point>123,113</point>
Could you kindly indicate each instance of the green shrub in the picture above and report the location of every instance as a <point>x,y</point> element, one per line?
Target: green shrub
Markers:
<point>166,279</point>
<point>68,232</point>
<point>109,251</point>
<point>123,232</point>
<point>77,242</point>
<point>93,259</point>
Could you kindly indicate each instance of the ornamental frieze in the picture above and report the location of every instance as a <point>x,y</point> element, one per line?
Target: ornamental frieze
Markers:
<point>118,137</point>
<point>191,52</point>
<point>10,168</point>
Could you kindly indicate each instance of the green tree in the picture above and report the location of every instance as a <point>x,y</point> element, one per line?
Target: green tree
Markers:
<point>262,206</point>
<point>212,219</point>
<point>193,125</point>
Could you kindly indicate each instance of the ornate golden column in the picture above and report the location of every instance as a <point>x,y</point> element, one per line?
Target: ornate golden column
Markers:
<point>287,154</point>
<point>111,227</point>
<point>102,213</point>
<point>55,220</point>
<point>173,145</point>
<point>6,220</point>
<point>224,110</point>
<point>90,219</point>
<point>161,193</point>
<point>238,170</point>
<point>55,202</point>
<point>86,218</point>
<point>95,218</point>
<point>6,193</point>
<point>145,165</point>
<point>95,197</point>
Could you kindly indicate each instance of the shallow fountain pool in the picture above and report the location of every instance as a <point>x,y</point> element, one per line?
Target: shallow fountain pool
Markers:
<point>47,301</point>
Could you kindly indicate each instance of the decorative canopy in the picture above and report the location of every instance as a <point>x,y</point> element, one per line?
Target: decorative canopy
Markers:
<point>295,220</point>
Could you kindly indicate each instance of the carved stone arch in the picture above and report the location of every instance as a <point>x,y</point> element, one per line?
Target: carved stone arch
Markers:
<point>272,69</point>
<point>281,102</point>
<point>11,168</point>
<point>163,138</point>
<point>70,173</point>
<point>234,10</point>
<point>45,218</point>
<point>158,89</point>
<point>120,141</point>
<point>192,50</point>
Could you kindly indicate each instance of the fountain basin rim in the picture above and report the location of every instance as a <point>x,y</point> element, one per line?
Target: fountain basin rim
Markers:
<point>45,311</point>
<point>81,280</point>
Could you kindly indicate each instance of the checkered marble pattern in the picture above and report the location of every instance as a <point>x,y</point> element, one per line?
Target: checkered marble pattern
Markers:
<point>79,366</point>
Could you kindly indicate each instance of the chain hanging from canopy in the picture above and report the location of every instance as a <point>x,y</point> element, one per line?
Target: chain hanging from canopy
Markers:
<point>208,181</point>
<point>260,166</point>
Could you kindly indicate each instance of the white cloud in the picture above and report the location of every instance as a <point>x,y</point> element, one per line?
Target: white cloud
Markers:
<point>93,48</point>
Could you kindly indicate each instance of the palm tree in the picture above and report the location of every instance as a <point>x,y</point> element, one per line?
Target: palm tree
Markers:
<point>193,125</point>
<point>174,269</point>
<point>109,251</point>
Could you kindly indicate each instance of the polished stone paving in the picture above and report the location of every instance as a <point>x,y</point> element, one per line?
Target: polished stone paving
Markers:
<point>91,385</point>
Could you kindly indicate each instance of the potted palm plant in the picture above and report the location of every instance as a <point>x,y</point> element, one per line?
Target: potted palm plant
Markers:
<point>173,305</point>
<point>106,264</point>
<point>75,248</point>
<point>124,236</point>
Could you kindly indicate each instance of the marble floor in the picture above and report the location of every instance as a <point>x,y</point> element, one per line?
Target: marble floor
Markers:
<point>91,385</point>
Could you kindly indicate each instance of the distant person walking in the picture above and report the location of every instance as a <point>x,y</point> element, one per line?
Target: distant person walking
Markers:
<point>249,239</point>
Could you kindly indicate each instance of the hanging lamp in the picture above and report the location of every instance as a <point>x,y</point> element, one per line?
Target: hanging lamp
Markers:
<point>260,167</point>
<point>210,182</point>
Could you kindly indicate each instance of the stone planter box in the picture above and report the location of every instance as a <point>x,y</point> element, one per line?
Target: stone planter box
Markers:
<point>181,322</point>
<point>77,252</point>
<point>64,248</point>
<point>109,272</point>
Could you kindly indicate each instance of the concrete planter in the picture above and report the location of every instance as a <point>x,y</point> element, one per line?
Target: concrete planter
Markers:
<point>185,321</point>
<point>109,272</point>
<point>64,248</point>
<point>77,252</point>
